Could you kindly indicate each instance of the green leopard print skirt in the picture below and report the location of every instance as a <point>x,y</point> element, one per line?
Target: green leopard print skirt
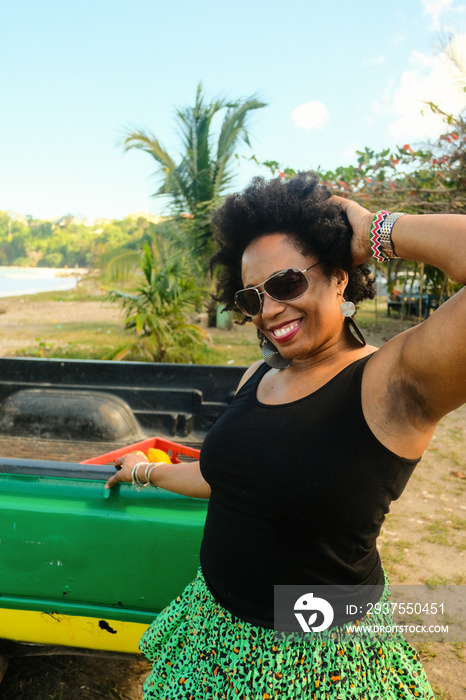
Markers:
<point>200,651</point>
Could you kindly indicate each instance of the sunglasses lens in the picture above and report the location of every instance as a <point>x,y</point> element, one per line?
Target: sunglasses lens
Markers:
<point>286,285</point>
<point>283,286</point>
<point>249,301</point>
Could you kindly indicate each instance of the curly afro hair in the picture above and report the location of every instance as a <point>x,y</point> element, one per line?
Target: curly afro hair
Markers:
<point>299,207</point>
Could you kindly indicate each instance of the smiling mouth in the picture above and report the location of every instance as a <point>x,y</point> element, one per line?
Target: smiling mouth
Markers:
<point>285,331</point>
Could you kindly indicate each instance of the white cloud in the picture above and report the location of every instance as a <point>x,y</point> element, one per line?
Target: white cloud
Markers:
<point>374,61</point>
<point>310,115</point>
<point>429,79</point>
<point>435,8</point>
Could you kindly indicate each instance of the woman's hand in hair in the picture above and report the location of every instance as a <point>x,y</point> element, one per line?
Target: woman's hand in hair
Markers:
<point>360,220</point>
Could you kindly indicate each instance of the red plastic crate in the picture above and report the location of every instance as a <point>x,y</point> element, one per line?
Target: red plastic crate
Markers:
<point>173,449</point>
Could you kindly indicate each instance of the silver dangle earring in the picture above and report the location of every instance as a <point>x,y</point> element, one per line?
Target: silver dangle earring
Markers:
<point>347,310</point>
<point>270,353</point>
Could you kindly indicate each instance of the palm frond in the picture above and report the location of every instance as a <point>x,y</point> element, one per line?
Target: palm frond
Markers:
<point>123,266</point>
<point>234,129</point>
<point>147,142</point>
<point>234,125</point>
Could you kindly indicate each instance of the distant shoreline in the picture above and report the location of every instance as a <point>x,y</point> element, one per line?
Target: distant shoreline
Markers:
<point>20,281</point>
<point>67,271</point>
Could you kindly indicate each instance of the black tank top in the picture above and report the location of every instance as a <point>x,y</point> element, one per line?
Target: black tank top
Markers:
<point>299,493</point>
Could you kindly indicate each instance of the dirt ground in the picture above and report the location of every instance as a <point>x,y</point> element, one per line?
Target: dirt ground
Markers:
<point>22,320</point>
<point>422,542</point>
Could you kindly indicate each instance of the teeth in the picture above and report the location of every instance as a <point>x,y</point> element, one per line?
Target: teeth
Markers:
<point>283,331</point>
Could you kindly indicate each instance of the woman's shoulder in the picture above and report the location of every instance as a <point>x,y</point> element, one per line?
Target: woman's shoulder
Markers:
<point>249,373</point>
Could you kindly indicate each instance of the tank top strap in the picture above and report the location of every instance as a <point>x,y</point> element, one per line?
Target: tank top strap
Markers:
<point>250,386</point>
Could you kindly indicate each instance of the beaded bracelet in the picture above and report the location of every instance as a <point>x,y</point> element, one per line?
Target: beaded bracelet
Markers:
<point>381,235</point>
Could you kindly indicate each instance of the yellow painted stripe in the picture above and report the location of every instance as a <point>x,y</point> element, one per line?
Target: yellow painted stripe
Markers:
<point>70,630</point>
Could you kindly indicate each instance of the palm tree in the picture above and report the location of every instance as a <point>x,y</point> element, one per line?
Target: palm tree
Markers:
<point>156,315</point>
<point>198,179</point>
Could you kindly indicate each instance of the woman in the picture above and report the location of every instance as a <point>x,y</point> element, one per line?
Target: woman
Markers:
<point>321,436</point>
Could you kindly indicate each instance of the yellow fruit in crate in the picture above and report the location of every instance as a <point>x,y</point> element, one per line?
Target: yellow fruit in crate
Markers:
<point>140,454</point>
<point>156,455</point>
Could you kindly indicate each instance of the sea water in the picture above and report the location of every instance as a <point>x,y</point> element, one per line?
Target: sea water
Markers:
<point>16,281</point>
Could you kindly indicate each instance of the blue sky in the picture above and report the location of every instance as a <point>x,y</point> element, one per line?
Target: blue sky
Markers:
<point>337,76</point>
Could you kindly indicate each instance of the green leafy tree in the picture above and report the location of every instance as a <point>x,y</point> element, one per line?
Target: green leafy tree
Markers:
<point>32,242</point>
<point>197,179</point>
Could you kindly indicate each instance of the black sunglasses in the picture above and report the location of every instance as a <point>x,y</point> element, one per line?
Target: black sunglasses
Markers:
<point>285,285</point>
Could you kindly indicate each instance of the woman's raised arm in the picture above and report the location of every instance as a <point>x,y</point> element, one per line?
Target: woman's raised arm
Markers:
<point>423,370</point>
